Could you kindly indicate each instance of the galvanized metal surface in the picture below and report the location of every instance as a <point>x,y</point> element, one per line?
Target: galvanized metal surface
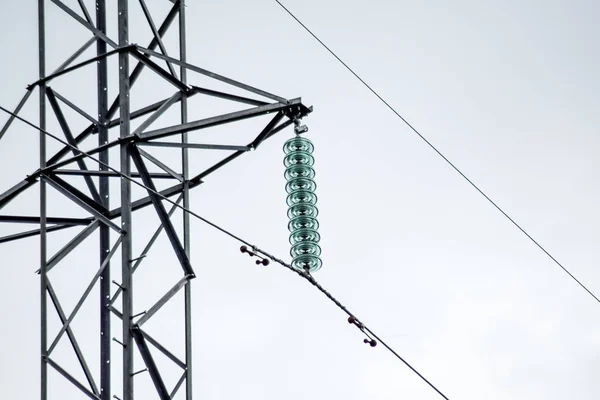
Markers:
<point>94,171</point>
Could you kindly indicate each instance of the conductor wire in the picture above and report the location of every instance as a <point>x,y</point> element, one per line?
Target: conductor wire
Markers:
<point>304,274</point>
<point>442,155</point>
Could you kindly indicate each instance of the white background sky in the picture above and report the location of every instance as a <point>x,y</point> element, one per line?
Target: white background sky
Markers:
<point>507,90</point>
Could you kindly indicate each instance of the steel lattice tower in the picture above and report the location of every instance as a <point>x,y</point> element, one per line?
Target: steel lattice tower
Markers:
<point>80,172</point>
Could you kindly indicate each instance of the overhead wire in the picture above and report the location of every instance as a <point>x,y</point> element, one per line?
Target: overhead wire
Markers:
<point>439,153</point>
<point>304,274</point>
<point>353,319</point>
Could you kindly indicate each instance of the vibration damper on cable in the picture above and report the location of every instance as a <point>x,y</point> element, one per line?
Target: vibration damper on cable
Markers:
<point>261,260</point>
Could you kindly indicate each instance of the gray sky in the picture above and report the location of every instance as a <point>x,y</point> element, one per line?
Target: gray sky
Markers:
<point>506,90</point>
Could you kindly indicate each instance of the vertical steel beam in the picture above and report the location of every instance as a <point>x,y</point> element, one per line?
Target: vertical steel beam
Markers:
<point>132,78</point>
<point>186,205</point>
<point>126,222</point>
<point>140,65</point>
<point>100,204</point>
<point>43,237</point>
<point>105,328</point>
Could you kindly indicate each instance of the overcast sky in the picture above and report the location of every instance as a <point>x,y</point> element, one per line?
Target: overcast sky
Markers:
<point>508,91</point>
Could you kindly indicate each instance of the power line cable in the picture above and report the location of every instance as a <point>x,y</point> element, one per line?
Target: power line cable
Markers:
<point>353,319</point>
<point>373,338</point>
<point>441,154</point>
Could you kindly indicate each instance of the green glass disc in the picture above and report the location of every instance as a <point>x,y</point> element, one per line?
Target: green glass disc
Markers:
<point>307,210</point>
<point>300,184</point>
<point>298,158</point>
<point>299,171</point>
<point>298,143</point>
<point>303,222</point>
<point>307,263</point>
<point>305,248</point>
<point>301,197</point>
<point>304,235</point>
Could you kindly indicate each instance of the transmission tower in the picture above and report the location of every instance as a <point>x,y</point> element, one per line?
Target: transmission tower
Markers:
<point>89,189</point>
